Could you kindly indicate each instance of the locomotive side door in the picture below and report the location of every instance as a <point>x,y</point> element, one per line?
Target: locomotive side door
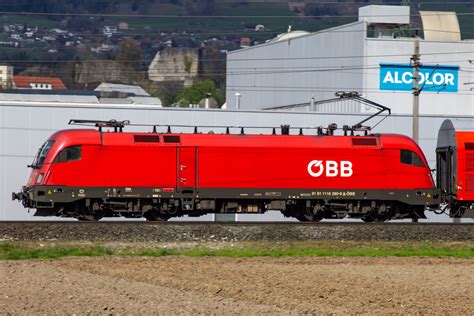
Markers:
<point>187,168</point>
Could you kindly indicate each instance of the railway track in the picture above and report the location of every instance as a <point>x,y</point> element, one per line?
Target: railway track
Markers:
<point>231,231</point>
<point>241,223</point>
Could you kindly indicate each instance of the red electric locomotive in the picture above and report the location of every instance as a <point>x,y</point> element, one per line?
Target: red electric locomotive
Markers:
<point>455,167</point>
<point>89,174</point>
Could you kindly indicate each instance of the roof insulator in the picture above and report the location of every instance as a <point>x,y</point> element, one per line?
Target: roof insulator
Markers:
<point>227,130</point>
<point>169,129</point>
<point>195,129</point>
<point>154,129</point>
<point>242,131</point>
<point>274,131</point>
<point>301,131</point>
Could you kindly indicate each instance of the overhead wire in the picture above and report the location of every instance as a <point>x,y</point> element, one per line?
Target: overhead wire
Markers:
<point>162,72</point>
<point>284,58</point>
<point>256,69</point>
<point>316,90</point>
<point>216,16</point>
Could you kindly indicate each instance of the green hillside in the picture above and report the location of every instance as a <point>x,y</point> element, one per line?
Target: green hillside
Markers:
<point>133,11</point>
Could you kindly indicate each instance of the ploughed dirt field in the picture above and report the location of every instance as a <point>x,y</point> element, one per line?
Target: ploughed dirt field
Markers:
<point>222,285</point>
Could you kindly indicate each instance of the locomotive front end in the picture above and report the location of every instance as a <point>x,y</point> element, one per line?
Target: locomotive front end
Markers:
<point>28,195</point>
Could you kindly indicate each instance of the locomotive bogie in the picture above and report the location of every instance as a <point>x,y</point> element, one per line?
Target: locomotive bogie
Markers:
<point>304,205</point>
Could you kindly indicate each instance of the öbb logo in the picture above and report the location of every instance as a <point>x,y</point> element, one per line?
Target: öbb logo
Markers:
<point>330,168</point>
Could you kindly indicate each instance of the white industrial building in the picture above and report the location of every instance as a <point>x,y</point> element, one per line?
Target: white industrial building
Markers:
<point>26,121</point>
<point>370,56</point>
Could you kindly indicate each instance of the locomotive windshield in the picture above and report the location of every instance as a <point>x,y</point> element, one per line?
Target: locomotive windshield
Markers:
<point>41,156</point>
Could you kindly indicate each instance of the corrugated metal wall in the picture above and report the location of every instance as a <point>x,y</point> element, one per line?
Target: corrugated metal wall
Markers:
<point>292,71</point>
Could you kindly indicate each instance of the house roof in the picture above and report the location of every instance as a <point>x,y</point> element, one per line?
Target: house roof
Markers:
<point>26,81</point>
<point>132,89</point>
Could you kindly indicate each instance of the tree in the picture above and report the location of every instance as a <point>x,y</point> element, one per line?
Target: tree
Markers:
<point>188,63</point>
<point>135,6</point>
<point>166,90</point>
<point>198,91</point>
<point>130,53</point>
<point>85,52</point>
<point>213,65</point>
<point>205,7</point>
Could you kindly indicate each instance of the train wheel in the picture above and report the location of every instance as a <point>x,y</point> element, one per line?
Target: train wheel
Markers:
<point>87,216</point>
<point>368,219</point>
<point>302,218</point>
<point>154,215</point>
<point>371,218</point>
<point>90,213</point>
<point>309,217</point>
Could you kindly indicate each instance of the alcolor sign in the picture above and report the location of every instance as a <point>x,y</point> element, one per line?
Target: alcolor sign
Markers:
<point>441,78</point>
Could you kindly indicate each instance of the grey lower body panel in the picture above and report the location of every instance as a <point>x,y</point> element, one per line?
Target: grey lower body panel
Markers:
<point>46,196</point>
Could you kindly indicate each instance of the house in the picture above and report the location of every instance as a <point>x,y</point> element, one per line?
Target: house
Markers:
<point>58,31</point>
<point>122,25</point>
<point>109,30</point>
<point>124,88</point>
<point>6,77</point>
<point>38,83</point>
<point>245,42</point>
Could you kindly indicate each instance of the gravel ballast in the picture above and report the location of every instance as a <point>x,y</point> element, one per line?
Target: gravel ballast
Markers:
<point>194,231</point>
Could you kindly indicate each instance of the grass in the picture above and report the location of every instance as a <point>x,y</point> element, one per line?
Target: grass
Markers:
<point>17,252</point>
<point>248,9</point>
<point>35,250</point>
<point>40,21</point>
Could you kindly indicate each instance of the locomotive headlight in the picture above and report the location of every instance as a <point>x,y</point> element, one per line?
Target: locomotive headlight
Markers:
<point>40,178</point>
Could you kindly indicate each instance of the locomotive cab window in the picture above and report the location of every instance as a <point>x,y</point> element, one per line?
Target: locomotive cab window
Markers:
<point>69,154</point>
<point>409,157</point>
<point>42,153</point>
